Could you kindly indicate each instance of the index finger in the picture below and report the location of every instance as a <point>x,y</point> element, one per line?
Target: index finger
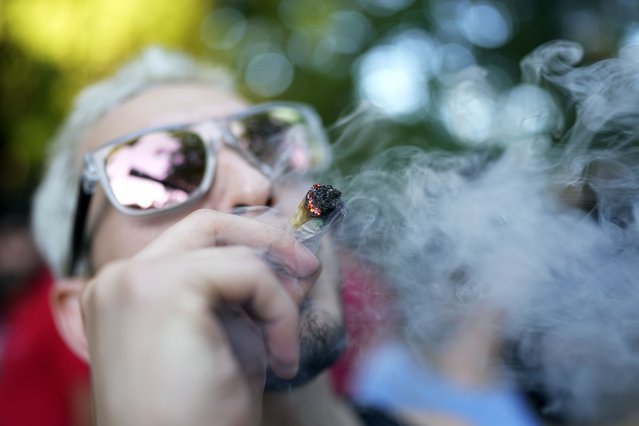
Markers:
<point>209,228</point>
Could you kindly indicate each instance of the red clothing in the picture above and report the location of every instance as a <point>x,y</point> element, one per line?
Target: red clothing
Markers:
<point>39,376</point>
<point>368,317</point>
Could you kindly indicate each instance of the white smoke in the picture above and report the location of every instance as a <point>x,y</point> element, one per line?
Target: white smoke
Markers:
<point>544,230</point>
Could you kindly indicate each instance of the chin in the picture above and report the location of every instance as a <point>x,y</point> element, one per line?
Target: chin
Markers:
<point>322,341</point>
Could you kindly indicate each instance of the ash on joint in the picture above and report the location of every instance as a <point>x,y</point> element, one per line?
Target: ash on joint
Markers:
<point>323,200</point>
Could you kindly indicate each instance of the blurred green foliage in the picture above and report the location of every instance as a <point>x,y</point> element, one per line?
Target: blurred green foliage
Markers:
<point>304,50</point>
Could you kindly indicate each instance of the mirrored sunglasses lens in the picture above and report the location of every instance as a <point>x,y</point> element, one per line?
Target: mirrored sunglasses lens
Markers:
<point>158,170</point>
<point>281,138</point>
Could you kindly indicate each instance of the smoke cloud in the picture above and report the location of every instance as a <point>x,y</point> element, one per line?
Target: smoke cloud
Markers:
<point>544,230</point>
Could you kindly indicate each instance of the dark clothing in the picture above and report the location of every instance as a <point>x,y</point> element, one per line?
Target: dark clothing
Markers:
<point>371,416</point>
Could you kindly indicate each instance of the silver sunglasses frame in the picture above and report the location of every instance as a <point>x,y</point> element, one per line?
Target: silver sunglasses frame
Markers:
<point>94,170</point>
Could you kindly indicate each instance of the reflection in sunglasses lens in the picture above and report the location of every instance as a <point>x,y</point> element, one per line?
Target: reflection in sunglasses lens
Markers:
<point>157,170</point>
<point>276,138</point>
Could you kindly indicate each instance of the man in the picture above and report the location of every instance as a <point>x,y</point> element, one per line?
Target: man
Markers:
<point>186,299</point>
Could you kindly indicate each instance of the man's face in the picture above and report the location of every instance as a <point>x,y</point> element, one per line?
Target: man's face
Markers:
<point>236,183</point>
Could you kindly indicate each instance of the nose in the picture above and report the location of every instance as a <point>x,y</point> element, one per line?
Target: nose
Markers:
<point>237,183</point>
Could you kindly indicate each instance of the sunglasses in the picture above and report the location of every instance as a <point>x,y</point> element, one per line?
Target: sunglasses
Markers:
<point>157,170</point>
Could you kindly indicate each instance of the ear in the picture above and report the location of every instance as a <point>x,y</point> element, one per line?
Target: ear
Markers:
<point>67,314</point>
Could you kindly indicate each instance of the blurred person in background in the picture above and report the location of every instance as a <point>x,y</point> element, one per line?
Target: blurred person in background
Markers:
<point>459,383</point>
<point>41,381</point>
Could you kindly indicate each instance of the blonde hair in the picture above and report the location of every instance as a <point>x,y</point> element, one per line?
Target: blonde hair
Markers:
<point>55,199</point>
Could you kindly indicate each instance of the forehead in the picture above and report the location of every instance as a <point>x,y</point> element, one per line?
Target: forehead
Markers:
<point>159,106</point>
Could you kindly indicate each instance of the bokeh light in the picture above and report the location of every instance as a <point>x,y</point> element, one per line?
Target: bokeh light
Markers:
<point>456,57</point>
<point>468,107</point>
<point>395,75</point>
<point>485,24</point>
<point>526,111</point>
<point>348,30</point>
<point>269,74</point>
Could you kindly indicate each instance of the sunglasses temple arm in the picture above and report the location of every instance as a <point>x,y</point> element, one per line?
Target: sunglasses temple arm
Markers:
<point>81,210</point>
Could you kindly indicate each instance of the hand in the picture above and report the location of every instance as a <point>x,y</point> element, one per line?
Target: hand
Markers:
<point>182,332</point>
